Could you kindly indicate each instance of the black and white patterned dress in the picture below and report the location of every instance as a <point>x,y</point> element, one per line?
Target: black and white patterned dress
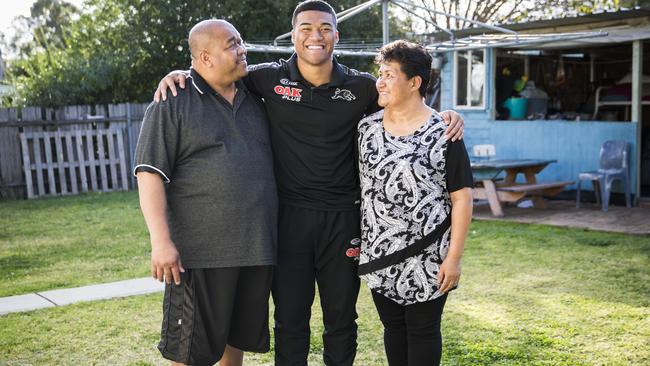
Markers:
<point>405,196</point>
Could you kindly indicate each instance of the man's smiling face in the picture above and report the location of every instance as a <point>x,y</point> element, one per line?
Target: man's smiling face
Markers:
<point>314,35</point>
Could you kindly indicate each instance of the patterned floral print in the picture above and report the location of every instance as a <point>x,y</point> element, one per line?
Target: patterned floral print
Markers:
<point>404,198</point>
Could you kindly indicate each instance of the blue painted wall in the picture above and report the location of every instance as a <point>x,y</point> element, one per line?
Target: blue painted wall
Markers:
<point>575,145</point>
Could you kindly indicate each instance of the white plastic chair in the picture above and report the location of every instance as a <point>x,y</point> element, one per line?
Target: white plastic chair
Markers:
<point>613,165</point>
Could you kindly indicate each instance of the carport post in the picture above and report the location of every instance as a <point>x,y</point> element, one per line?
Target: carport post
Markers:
<point>637,115</point>
<point>384,13</point>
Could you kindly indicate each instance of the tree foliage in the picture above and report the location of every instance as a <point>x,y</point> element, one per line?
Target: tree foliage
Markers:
<point>515,11</point>
<point>45,28</point>
<point>117,50</point>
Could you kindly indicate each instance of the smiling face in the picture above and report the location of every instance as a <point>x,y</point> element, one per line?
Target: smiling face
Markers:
<point>394,86</point>
<point>228,53</point>
<point>218,52</point>
<point>314,35</point>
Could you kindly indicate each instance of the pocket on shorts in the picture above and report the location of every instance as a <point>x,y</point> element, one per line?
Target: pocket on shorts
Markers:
<point>172,345</point>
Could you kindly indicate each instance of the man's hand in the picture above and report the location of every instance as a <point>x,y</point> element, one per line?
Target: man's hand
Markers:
<point>169,81</point>
<point>166,262</point>
<point>448,275</point>
<point>456,124</point>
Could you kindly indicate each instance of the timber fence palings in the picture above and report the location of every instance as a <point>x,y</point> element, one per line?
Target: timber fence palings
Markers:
<point>75,149</point>
<point>100,142</point>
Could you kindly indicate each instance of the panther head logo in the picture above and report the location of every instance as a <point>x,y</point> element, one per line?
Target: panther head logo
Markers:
<point>343,94</point>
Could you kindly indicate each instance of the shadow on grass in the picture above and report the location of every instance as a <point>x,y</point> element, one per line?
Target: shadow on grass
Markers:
<point>20,262</point>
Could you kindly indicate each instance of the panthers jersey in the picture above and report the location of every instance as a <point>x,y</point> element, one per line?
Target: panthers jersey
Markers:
<point>313,131</point>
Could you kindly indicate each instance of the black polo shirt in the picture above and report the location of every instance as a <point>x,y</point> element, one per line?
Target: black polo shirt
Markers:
<point>216,159</point>
<point>313,131</point>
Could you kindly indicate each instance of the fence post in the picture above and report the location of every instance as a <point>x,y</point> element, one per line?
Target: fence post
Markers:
<point>12,182</point>
<point>131,143</point>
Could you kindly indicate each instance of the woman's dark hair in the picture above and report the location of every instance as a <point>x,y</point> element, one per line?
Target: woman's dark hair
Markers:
<point>317,5</point>
<point>412,58</point>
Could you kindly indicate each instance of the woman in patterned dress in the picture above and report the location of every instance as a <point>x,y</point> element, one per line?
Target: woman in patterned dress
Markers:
<point>416,207</point>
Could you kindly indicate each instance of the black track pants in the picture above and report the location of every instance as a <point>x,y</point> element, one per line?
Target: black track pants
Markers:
<point>411,333</point>
<point>316,247</point>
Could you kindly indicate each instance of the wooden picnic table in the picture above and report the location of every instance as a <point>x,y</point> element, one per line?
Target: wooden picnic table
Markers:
<point>486,172</point>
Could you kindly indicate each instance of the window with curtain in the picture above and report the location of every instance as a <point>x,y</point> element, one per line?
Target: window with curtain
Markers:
<point>469,78</point>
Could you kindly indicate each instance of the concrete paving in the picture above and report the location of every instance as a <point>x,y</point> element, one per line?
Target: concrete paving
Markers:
<point>45,299</point>
<point>635,220</point>
<point>12,304</point>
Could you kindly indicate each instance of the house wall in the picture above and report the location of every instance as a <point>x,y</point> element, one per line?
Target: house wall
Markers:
<point>575,145</point>
<point>477,128</point>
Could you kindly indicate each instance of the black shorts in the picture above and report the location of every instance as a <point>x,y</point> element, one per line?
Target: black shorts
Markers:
<point>213,307</point>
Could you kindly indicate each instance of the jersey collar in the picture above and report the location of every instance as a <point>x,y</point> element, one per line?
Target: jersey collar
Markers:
<point>202,86</point>
<point>337,78</point>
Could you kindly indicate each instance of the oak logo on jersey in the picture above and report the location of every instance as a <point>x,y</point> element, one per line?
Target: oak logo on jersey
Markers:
<point>288,93</point>
<point>344,94</point>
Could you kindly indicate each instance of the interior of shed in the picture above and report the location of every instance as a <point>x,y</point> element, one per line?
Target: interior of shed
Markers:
<point>576,84</point>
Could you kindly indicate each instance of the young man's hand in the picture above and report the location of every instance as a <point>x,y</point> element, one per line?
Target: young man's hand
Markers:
<point>166,262</point>
<point>456,124</point>
<point>169,82</point>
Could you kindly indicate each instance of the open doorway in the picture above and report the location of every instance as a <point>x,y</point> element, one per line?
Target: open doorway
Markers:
<point>591,83</point>
<point>575,84</point>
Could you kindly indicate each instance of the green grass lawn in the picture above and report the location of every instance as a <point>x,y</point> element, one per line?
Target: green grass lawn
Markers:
<point>71,241</point>
<point>529,295</point>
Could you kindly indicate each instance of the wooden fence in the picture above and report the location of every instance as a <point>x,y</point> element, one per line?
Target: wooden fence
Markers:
<point>46,152</point>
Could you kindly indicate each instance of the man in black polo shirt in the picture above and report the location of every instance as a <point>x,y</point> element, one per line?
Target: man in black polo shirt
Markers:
<point>209,198</point>
<point>314,104</point>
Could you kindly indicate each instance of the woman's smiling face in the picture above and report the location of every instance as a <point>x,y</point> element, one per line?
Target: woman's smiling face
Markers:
<point>393,86</point>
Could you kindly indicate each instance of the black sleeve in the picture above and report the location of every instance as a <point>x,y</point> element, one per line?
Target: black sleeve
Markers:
<point>158,141</point>
<point>250,83</point>
<point>260,77</point>
<point>459,171</point>
<point>374,97</point>
<point>356,152</point>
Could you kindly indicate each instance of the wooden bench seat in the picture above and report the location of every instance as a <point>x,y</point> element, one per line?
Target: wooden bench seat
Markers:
<point>514,193</point>
<point>545,188</point>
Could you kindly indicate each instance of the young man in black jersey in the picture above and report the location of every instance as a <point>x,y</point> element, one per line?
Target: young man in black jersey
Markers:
<point>314,104</point>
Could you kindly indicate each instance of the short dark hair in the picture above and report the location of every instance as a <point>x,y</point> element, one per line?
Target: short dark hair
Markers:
<point>412,58</point>
<point>318,5</point>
